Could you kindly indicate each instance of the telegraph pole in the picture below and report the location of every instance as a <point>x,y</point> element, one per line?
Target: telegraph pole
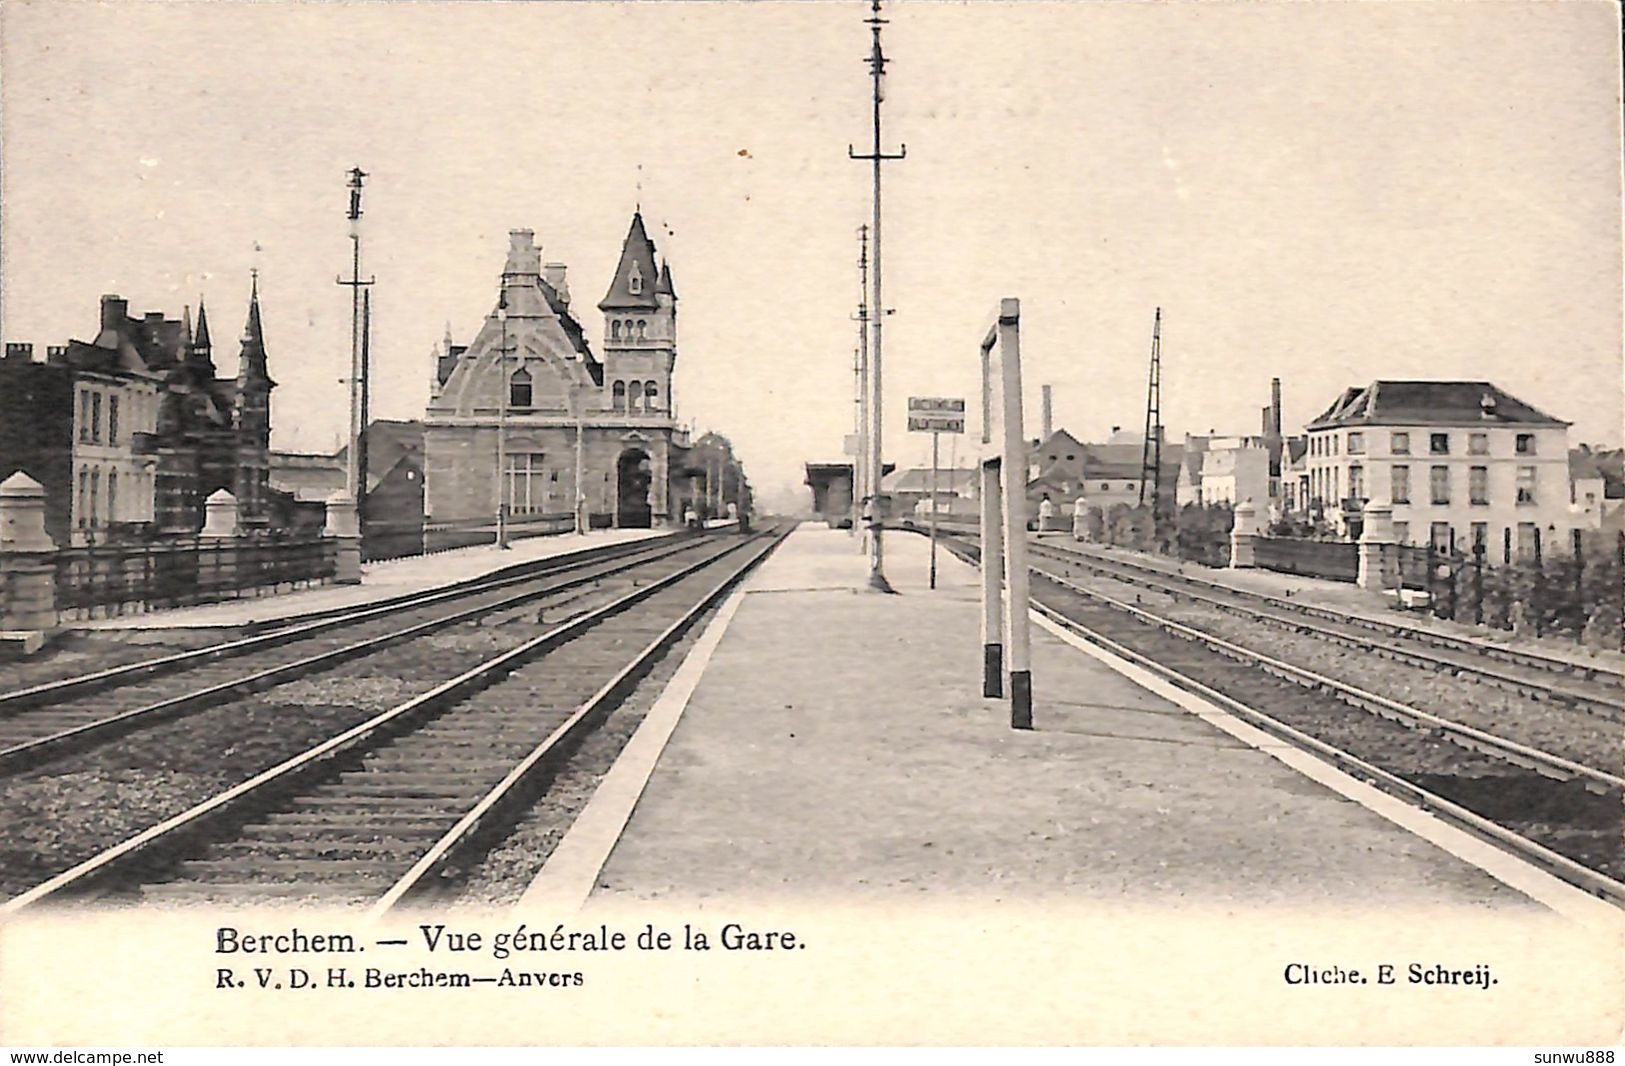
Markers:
<point>356,468</point>
<point>876,463</point>
<point>1151,450</point>
<point>861,461</point>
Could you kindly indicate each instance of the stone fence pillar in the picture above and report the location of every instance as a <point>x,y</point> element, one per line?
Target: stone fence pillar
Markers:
<point>1379,557</point>
<point>344,526</point>
<point>27,557</point>
<point>222,525</point>
<point>1244,535</point>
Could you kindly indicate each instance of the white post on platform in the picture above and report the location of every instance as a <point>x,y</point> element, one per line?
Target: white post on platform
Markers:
<point>1080,518</point>
<point>1004,336</point>
<point>992,582</point>
<point>935,436</point>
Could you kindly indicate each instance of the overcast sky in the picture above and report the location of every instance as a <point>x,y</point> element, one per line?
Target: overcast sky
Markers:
<point>1330,193</point>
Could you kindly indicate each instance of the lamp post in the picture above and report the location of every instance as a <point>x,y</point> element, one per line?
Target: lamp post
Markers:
<point>502,419</point>
<point>572,400</point>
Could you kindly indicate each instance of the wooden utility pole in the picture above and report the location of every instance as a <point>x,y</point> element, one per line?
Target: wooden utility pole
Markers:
<point>1151,450</point>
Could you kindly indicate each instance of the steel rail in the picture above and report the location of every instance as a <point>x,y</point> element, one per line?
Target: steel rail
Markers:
<point>31,753</point>
<point>1567,869</point>
<point>319,622</point>
<point>176,831</point>
<point>1169,584</point>
<point>487,810</point>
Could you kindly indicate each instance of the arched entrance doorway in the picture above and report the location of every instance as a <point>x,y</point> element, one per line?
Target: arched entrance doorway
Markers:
<point>632,475</point>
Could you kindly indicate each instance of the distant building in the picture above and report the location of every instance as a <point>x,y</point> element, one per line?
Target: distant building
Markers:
<point>394,493</point>
<point>956,490</point>
<point>1460,461</point>
<point>1236,469</point>
<point>635,468</point>
<point>151,431</point>
<point>1063,469</point>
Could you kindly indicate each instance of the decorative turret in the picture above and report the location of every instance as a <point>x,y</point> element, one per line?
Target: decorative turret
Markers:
<point>251,413</point>
<point>252,365</point>
<point>636,276</point>
<point>199,351</point>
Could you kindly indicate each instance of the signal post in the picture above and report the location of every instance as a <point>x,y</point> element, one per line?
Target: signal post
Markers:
<point>935,415</point>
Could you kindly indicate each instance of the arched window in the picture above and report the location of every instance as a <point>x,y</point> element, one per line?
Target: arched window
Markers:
<point>634,281</point>
<point>619,395</point>
<point>95,492</point>
<point>615,329</point>
<point>634,392</point>
<point>519,389</point>
<point>112,495</point>
<point>651,396</point>
<point>642,326</point>
<point>84,493</point>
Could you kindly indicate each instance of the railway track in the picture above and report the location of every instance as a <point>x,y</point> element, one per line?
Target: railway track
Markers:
<point>392,809</point>
<point>55,719</point>
<point>1560,814</point>
<point>1593,688</point>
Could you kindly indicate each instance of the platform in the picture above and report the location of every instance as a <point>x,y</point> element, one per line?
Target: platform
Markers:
<point>837,747</point>
<point>381,580</point>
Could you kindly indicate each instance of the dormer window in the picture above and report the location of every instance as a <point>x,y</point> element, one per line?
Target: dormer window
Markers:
<point>519,389</point>
<point>634,281</point>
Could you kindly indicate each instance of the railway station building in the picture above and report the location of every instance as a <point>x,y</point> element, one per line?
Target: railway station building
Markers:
<point>549,385</point>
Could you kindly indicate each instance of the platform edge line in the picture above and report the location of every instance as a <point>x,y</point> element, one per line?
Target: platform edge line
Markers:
<point>568,877</point>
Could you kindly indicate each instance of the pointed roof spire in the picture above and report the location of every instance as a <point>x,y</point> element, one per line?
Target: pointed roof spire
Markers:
<point>664,285</point>
<point>200,339</point>
<point>253,366</point>
<point>446,341</point>
<point>186,328</point>
<point>633,286</point>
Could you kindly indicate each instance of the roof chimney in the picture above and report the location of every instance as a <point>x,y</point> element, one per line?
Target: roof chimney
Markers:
<point>1275,406</point>
<point>115,309</point>
<point>1049,421</point>
<point>554,274</point>
<point>1486,405</point>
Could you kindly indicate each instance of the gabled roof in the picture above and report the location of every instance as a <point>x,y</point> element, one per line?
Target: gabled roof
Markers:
<point>637,259</point>
<point>1435,403</point>
<point>1583,465</point>
<point>918,479</point>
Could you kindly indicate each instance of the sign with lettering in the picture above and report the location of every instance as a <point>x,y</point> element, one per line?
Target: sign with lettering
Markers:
<point>936,414</point>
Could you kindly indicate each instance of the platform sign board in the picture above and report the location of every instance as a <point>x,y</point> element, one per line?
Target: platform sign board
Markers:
<point>936,414</point>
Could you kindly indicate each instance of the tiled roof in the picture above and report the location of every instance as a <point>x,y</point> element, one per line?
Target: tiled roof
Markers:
<point>918,479</point>
<point>1442,403</point>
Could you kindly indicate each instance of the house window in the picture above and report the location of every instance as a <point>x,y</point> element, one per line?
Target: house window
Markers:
<point>84,495</point>
<point>1402,532</point>
<point>1526,444</point>
<point>1438,444</point>
<point>1478,486</point>
<point>112,487</point>
<point>95,493</point>
<point>634,281</point>
<point>527,488</point>
<point>1105,486</point>
<point>1071,458</point>
<point>615,329</point>
<point>1478,444</point>
<point>96,417</point>
<point>643,327</point>
<point>519,389</point>
<point>1356,443</point>
<point>1526,484</point>
<point>112,430</point>
<point>84,416</point>
<point>1439,535</point>
<point>1401,484</point>
<point>633,392</point>
<point>1481,534</point>
<point>1439,484</point>
<point>1400,444</point>
<point>1356,481</point>
<point>618,396</point>
<point>651,396</point>
<point>1528,537</point>
<point>1336,445</point>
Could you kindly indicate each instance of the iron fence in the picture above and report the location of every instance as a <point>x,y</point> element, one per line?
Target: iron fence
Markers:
<point>116,578</point>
